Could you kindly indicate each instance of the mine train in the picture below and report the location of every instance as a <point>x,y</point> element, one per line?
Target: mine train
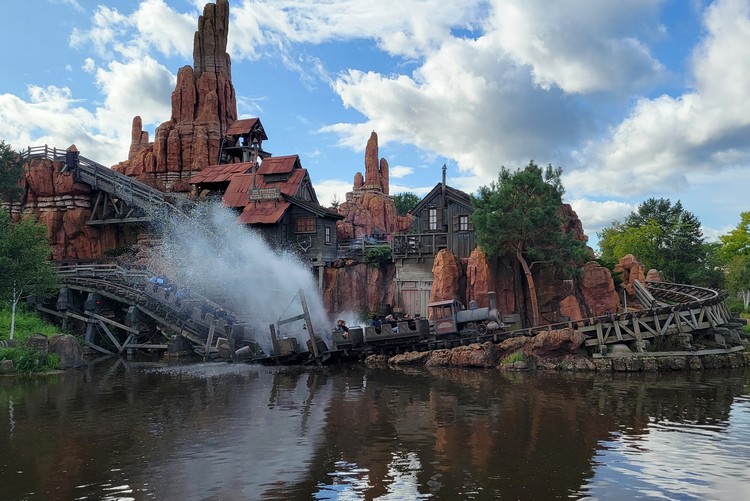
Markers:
<point>450,321</point>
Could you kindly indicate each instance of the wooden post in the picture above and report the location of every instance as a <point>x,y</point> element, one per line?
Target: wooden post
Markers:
<point>274,342</point>
<point>309,326</point>
<point>209,339</point>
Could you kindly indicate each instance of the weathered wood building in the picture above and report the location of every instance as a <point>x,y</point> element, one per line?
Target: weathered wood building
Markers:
<point>442,220</point>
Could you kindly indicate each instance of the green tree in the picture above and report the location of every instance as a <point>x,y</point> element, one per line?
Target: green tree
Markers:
<point>25,267</point>
<point>737,241</point>
<point>735,252</point>
<point>519,216</point>
<point>11,170</point>
<point>663,236</point>
<point>405,202</point>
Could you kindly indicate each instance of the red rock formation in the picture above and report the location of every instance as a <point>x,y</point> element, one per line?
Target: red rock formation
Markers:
<point>654,276</point>
<point>354,286</point>
<point>368,210</point>
<point>598,290</point>
<point>446,272</point>
<point>203,106</point>
<point>631,270</point>
<point>64,206</point>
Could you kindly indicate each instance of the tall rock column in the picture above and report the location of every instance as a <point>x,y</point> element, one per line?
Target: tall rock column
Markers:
<point>203,106</point>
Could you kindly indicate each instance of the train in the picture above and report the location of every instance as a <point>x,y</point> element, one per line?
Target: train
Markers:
<point>450,321</point>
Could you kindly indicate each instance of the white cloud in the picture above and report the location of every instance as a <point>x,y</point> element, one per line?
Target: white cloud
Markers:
<point>582,46</point>
<point>327,189</point>
<point>89,65</point>
<point>399,171</point>
<point>598,215</point>
<point>666,138</point>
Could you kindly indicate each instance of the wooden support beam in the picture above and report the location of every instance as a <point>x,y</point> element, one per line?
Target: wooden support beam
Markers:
<point>116,324</point>
<point>209,339</point>
<point>98,348</point>
<point>111,336</point>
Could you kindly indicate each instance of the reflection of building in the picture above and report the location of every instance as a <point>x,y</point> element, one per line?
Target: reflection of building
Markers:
<point>442,220</point>
<point>274,195</point>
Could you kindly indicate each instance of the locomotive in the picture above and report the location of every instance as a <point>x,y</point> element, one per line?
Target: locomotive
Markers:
<point>450,321</point>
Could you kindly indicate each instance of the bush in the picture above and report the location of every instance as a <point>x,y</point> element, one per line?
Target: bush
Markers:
<point>513,358</point>
<point>378,256</point>
<point>26,361</point>
<point>27,323</point>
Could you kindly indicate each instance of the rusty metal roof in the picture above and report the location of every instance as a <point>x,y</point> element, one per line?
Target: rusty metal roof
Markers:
<point>264,212</point>
<point>236,193</point>
<point>245,126</point>
<point>220,173</point>
<point>279,165</point>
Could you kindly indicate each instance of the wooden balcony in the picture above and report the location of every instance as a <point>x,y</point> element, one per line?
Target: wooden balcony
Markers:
<point>418,245</point>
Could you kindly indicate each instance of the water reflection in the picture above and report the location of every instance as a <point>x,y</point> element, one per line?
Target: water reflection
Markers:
<point>218,431</point>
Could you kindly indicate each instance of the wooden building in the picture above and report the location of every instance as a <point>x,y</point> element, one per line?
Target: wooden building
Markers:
<point>442,220</point>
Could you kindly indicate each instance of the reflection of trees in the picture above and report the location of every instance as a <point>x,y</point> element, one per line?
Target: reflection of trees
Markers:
<point>510,435</point>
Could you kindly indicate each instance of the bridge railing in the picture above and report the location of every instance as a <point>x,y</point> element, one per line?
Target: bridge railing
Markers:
<point>115,183</point>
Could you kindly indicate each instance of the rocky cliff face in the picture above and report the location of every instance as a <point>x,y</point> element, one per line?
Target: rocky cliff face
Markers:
<point>203,106</point>
<point>355,287</point>
<point>64,206</point>
<point>368,210</point>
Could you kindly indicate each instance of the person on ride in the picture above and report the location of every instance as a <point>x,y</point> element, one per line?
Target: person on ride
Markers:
<point>341,326</point>
<point>377,324</point>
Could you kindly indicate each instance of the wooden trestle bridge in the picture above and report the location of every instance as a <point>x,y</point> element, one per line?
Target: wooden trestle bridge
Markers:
<point>122,310</point>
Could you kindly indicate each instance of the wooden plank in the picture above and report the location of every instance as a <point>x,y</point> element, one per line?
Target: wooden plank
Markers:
<point>110,335</point>
<point>618,333</point>
<point>116,324</point>
<point>209,339</point>
<point>98,348</point>
<point>148,346</point>
<point>289,320</point>
<point>308,323</point>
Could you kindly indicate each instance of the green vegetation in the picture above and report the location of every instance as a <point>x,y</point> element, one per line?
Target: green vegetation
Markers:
<point>11,171</point>
<point>25,360</point>
<point>25,267</point>
<point>405,202</point>
<point>518,216</point>
<point>378,256</point>
<point>735,252</point>
<point>514,357</point>
<point>662,236</point>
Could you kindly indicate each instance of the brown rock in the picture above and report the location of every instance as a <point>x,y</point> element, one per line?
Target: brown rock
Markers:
<point>410,358</point>
<point>68,349</point>
<point>598,290</point>
<point>352,286</point>
<point>654,276</point>
<point>631,270</point>
<point>446,271</point>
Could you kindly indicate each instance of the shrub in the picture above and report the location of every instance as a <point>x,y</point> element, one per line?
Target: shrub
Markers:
<point>514,357</point>
<point>26,360</point>
<point>378,256</point>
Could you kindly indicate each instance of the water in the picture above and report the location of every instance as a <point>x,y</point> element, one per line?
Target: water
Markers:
<point>125,430</point>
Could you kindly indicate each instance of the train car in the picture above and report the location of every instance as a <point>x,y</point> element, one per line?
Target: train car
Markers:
<point>452,319</point>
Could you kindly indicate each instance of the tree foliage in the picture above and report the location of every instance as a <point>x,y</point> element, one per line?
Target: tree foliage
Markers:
<point>11,170</point>
<point>25,267</point>
<point>519,216</point>
<point>737,241</point>
<point>405,202</point>
<point>663,236</point>
<point>735,252</point>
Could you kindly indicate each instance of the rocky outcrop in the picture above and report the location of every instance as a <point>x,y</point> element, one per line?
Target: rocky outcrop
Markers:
<point>630,270</point>
<point>354,286</point>
<point>64,206</point>
<point>68,349</point>
<point>598,290</point>
<point>203,106</point>
<point>447,273</point>
<point>368,210</point>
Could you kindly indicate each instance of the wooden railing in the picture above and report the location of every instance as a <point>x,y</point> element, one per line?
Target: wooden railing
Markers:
<point>407,245</point>
<point>115,183</point>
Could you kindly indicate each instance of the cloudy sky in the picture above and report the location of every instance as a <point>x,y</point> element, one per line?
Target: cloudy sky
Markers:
<point>632,98</point>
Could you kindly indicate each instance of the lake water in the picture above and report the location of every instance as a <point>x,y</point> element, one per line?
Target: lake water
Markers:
<point>126,430</point>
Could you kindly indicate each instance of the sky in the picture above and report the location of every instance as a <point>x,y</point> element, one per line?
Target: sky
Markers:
<point>631,98</point>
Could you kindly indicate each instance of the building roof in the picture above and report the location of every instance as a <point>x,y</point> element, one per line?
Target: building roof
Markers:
<point>451,194</point>
<point>246,126</point>
<point>279,165</point>
<point>221,173</point>
<point>264,212</point>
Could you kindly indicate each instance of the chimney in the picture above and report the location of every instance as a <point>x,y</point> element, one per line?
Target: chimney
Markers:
<point>492,298</point>
<point>442,194</point>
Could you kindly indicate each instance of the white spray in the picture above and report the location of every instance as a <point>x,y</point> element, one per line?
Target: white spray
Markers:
<point>214,255</point>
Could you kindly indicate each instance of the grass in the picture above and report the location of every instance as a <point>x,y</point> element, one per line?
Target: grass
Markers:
<point>27,323</point>
<point>26,360</point>
<point>513,358</point>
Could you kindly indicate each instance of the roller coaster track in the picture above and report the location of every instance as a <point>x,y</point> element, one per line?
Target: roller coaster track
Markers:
<point>116,184</point>
<point>131,287</point>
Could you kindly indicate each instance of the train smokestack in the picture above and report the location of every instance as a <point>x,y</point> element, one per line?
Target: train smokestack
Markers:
<point>492,298</point>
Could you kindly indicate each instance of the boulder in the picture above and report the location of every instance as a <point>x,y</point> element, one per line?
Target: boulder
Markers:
<point>446,273</point>
<point>598,290</point>
<point>68,349</point>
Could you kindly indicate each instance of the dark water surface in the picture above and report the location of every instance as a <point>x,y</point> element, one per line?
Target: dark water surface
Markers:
<point>129,430</point>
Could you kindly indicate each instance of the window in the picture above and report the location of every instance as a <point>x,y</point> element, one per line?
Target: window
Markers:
<point>328,235</point>
<point>305,225</point>
<point>461,222</point>
<point>432,218</point>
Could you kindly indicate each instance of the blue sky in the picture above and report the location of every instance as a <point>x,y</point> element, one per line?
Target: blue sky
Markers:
<point>633,99</point>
